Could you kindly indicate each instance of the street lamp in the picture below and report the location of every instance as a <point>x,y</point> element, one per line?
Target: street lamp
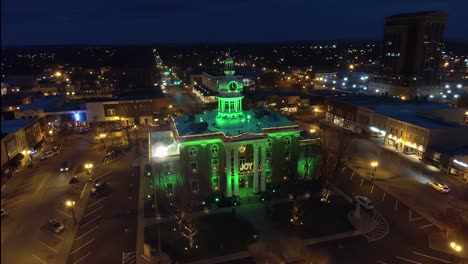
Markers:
<point>374,165</point>
<point>71,204</point>
<point>102,136</point>
<point>88,167</point>
<point>457,248</point>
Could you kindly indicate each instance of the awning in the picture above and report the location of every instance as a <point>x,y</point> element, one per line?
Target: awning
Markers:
<point>38,144</point>
<point>16,160</point>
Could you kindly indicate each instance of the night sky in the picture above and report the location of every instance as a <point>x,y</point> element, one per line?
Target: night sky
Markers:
<point>31,22</point>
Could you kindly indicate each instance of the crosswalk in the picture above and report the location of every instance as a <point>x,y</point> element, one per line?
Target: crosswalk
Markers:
<point>381,229</point>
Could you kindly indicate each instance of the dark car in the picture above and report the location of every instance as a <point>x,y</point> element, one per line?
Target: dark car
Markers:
<point>57,149</point>
<point>65,166</point>
<point>114,154</point>
<point>100,189</point>
<point>55,226</point>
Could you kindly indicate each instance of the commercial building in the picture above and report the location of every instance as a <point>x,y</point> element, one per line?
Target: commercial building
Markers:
<point>413,129</point>
<point>19,138</point>
<point>230,151</point>
<point>412,53</point>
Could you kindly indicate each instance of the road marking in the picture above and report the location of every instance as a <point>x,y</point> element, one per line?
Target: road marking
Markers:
<point>97,201</point>
<point>381,262</point>
<point>426,226</point>
<point>39,259</point>
<point>102,175</point>
<point>409,260</point>
<point>414,219</point>
<point>76,250</point>
<point>89,253</point>
<point>84,188</point>
<point>106,179</point>
<point>443,260</point>
<point>62,212</point>
<point>57,236</point>
<point>48,246</point>
<point>93,211</point>
<point>90,221</point>
<point>86,233</point>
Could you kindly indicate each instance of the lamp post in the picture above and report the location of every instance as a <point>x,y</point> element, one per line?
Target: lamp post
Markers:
<point>457,248</point>
<point>374,165</point>
<point>88,167</point>
<point>71,205</point>
<point>102,136</point>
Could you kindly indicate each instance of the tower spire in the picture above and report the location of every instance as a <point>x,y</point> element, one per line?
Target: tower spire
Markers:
<point>229,64</point>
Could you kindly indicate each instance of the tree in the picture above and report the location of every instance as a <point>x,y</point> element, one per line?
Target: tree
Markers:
<point>297,213</point>
<point>189,231</point>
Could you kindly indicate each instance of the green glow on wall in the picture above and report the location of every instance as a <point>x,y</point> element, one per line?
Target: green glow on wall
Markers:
<point>282,134</point>
<point>306,167</point>
<point>200,142</point>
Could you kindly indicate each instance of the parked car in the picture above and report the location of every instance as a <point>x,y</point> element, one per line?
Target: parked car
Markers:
<point>100,189</point>
<point>55,226</point>
<point>4,213</point>
<point>65,166</point>
<point>442,188</point>
<point>57,149</point>
<point>114,154</point>
<point>364,202</point>
<point>49,154</point>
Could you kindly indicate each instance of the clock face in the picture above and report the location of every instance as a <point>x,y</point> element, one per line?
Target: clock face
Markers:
<point>232,86</point>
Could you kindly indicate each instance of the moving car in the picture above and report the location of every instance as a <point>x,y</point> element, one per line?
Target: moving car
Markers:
<point>55,226</point>
<point>49,154</point>
<point>100,189</point>
<point>364,202</point>
<point>439,187</point>
<point>65,166</point>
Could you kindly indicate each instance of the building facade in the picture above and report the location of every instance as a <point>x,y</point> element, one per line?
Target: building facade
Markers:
<point>229,151</point>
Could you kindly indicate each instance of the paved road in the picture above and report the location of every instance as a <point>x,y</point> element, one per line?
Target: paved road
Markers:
<point>35,195</point>
<point>108,226</point>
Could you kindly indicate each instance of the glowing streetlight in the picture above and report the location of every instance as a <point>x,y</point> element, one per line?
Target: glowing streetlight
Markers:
<point>456,247</point>
<point>374,165</point>
<point>88,167</point>
<point>71,205</point>
<point>102,136</point>
<point>58,74</point>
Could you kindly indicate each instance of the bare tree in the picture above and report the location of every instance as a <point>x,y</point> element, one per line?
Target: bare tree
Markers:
<point>189,231</point>
<point>297,213</point>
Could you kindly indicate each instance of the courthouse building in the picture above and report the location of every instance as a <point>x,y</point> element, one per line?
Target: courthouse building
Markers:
<point>230,151</point>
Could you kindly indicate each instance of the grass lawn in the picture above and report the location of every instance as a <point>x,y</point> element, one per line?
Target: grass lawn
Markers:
<point>219,234</point>
<point>319,219</point>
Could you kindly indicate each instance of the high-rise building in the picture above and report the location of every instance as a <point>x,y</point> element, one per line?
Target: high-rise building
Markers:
<point>412,47</point>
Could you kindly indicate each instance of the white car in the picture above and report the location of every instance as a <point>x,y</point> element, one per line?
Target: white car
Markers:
<point>364,202</point>
<point>48,154</point>
<point>439,187</point>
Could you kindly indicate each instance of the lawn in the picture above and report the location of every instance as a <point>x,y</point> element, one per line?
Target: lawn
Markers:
<point>319,219</point>
<point>219,234</point>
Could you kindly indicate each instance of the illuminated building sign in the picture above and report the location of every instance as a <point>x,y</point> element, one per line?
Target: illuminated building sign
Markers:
<point>247,167</point>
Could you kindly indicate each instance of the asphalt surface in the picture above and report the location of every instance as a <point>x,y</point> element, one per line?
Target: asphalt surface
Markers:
<point>35,195</point>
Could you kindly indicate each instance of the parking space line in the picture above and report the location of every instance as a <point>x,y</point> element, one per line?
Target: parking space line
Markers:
<point>100,200</point>
<point>93,211</point>
<point>420,254</point>
<point>84,188</point>
<point>38,258</point>
<point>417,218</point>
<point>106,179</point>
<point>86,233</point>
<point>76,250</point>
<point>424,226</point>
<point>89,253</point>
<point>57,236</point>
<point>95,179</point>
<point>94,219</point>
<point>48,246</point>
<point>381,262</point>
<point>64,213</point>
<point>409,260</point>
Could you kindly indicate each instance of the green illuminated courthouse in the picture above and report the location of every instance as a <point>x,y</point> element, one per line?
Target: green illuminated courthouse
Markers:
<point>229,151</point>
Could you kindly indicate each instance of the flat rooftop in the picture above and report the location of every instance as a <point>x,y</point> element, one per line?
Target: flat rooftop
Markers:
<point>11,126</point>
<point>200,124</point>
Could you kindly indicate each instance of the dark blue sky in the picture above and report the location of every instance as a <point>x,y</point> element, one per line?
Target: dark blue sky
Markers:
<point>30,22</point>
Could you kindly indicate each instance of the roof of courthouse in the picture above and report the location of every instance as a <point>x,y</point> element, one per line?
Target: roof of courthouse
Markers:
<point>11,126</point>
<point>256,122</point>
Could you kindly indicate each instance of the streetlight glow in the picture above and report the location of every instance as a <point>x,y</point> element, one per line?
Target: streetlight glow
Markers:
<point>456,247</point>
<point>374,164</point>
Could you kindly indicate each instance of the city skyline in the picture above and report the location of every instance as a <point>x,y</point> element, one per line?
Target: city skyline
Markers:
<point>179,22</point>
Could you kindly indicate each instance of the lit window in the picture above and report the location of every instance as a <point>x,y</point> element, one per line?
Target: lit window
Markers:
<point>194,166</point>
<point>193,152</point>
<point>111,112</point>
<point>287,140</point>
<point>269,143</point>
<point>214,149</point>
<point>215,163</point>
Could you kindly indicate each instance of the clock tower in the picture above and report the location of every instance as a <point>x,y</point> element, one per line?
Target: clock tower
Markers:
<point>230,112</point>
